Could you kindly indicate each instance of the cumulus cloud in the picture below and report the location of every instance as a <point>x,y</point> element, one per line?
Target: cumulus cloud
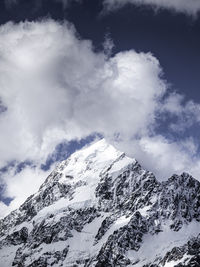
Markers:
<point>55,87</point>
<point>180,156</point>
<point>20,186</point>
<point>191,7</point>
<point>163,156</point>
<point>187,114</point>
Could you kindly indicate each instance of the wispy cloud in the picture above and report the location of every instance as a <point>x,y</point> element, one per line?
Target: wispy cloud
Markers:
<point>191,7</point>
<point>65,3</point>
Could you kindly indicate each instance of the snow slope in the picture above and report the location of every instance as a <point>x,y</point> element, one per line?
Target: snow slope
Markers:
<point>101,208</point>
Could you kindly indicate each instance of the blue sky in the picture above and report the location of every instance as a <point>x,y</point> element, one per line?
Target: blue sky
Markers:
<point>75,71</point>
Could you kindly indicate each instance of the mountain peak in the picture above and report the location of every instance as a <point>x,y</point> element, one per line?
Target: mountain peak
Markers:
<point>101,208</point>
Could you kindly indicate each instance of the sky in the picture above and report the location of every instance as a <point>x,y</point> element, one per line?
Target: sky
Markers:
<point>74,71</point>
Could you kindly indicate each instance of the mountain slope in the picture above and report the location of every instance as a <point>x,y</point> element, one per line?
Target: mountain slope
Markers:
<point>100,208</point>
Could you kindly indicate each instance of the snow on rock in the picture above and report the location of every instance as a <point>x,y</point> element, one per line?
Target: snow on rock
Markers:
<point>101,208</point>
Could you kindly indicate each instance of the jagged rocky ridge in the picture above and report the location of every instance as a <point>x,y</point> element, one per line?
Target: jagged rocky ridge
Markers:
<point>101,208</point>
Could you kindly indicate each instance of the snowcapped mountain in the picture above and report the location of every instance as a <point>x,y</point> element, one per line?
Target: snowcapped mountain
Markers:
<point>101,208</point>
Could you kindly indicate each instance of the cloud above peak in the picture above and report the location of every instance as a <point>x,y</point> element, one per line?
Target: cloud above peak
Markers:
<point>55,87</point>
<point>191,7</point>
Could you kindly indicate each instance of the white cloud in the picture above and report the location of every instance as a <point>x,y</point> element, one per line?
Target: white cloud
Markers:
<point>21,185</point>
<point>164,157</point>
<point>191,7</point>
<point>56,87</point>
<point>170,156</point>
<point>3,209</point>
<point>187,113</point>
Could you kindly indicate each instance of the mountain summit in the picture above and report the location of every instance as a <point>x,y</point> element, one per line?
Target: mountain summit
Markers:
<point>101,208</point>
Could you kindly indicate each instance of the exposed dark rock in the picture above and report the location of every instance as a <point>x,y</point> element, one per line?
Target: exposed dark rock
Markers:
<point>121,204</point>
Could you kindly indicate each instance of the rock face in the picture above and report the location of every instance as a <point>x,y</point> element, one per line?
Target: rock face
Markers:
<point>101,208</point>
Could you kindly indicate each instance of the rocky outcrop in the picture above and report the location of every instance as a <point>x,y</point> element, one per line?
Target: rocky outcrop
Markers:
<point>100,208</point>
